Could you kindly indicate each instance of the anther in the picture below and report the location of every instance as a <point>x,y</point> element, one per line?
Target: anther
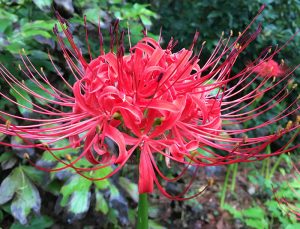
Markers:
<point>98,129</point>
<point>116,115</point>
<point>7,124</point>
<point>237,46</point>
<point>45,145</point>
<point>68,157</point>
<point>279,131</point>
<point>26,156</point>
<point>237,145</point>
<point>210,181</point>
<point>289,125</point>
<point>245,139</point>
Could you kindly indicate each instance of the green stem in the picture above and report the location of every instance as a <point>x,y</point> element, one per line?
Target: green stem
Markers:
<point>275,166</point>
<point>233,182</point>
<point>224,189</point>
<point>263,168</point>
<point>268,163</point>
<point>142,222</point>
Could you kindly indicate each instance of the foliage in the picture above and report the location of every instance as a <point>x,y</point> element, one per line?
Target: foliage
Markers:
<point>181,19</point>
<point>270,213</point>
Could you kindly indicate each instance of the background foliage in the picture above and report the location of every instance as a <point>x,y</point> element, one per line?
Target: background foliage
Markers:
<point>180,19</point>
<point>34,199</point>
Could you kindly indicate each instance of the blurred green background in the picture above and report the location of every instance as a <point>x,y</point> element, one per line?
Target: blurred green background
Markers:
<point>33,199</point>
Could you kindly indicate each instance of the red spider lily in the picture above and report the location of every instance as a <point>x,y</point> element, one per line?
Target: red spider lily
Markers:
<point>269,68</point>
<point>153,102</point>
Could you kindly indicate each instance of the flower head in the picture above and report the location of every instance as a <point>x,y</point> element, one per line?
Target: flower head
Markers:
<point>269,68</point>
<point>150,102</point>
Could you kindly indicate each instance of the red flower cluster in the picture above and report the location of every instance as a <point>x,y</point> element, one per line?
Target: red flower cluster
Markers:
<point>269,68</point>
<point>152,102</point>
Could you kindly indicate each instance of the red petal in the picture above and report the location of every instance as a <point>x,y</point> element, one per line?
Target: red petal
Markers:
<point>145,172</point>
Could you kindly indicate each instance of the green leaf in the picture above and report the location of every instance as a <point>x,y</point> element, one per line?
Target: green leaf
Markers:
<point>255,212</point>
<point>76,194</point>
<point>9,163</point>
<point>25,195</point>
<point>293,226</point>
<point>101,204</point>
<point>259,224</point>
<point>34,174</point>
<point>130,187</point>
<point>146,20</point>
<point>48,157</point>
<point>39,25</point>
<point>6,19</point>
<point>43,90</point>
<point>8,187</point>
<point>28,198</point>
<point>116,1</point>
<point>102,184</point>
<point>40,222</point>
<point>92,14</point>
<point>79,202</point>
<point>6,156</point>
<point>54,187</point>
<point>36,32</point>
<point>8,16</point>
<point>41,59</point>
<point>23,99</point>
<point>214,14</point>
<point>236,213</point>
<point>15,46</point>
<point>44,5</point>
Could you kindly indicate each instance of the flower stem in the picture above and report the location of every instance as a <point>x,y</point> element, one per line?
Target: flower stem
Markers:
<point>275,166</point>
<point>142,222</point>
<point>268,163</point>
<point>233,182</point>
<point>224,188</point>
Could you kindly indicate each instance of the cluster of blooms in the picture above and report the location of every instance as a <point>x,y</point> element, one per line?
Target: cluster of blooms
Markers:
<point>153,101</point>
<point>269,68</point>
